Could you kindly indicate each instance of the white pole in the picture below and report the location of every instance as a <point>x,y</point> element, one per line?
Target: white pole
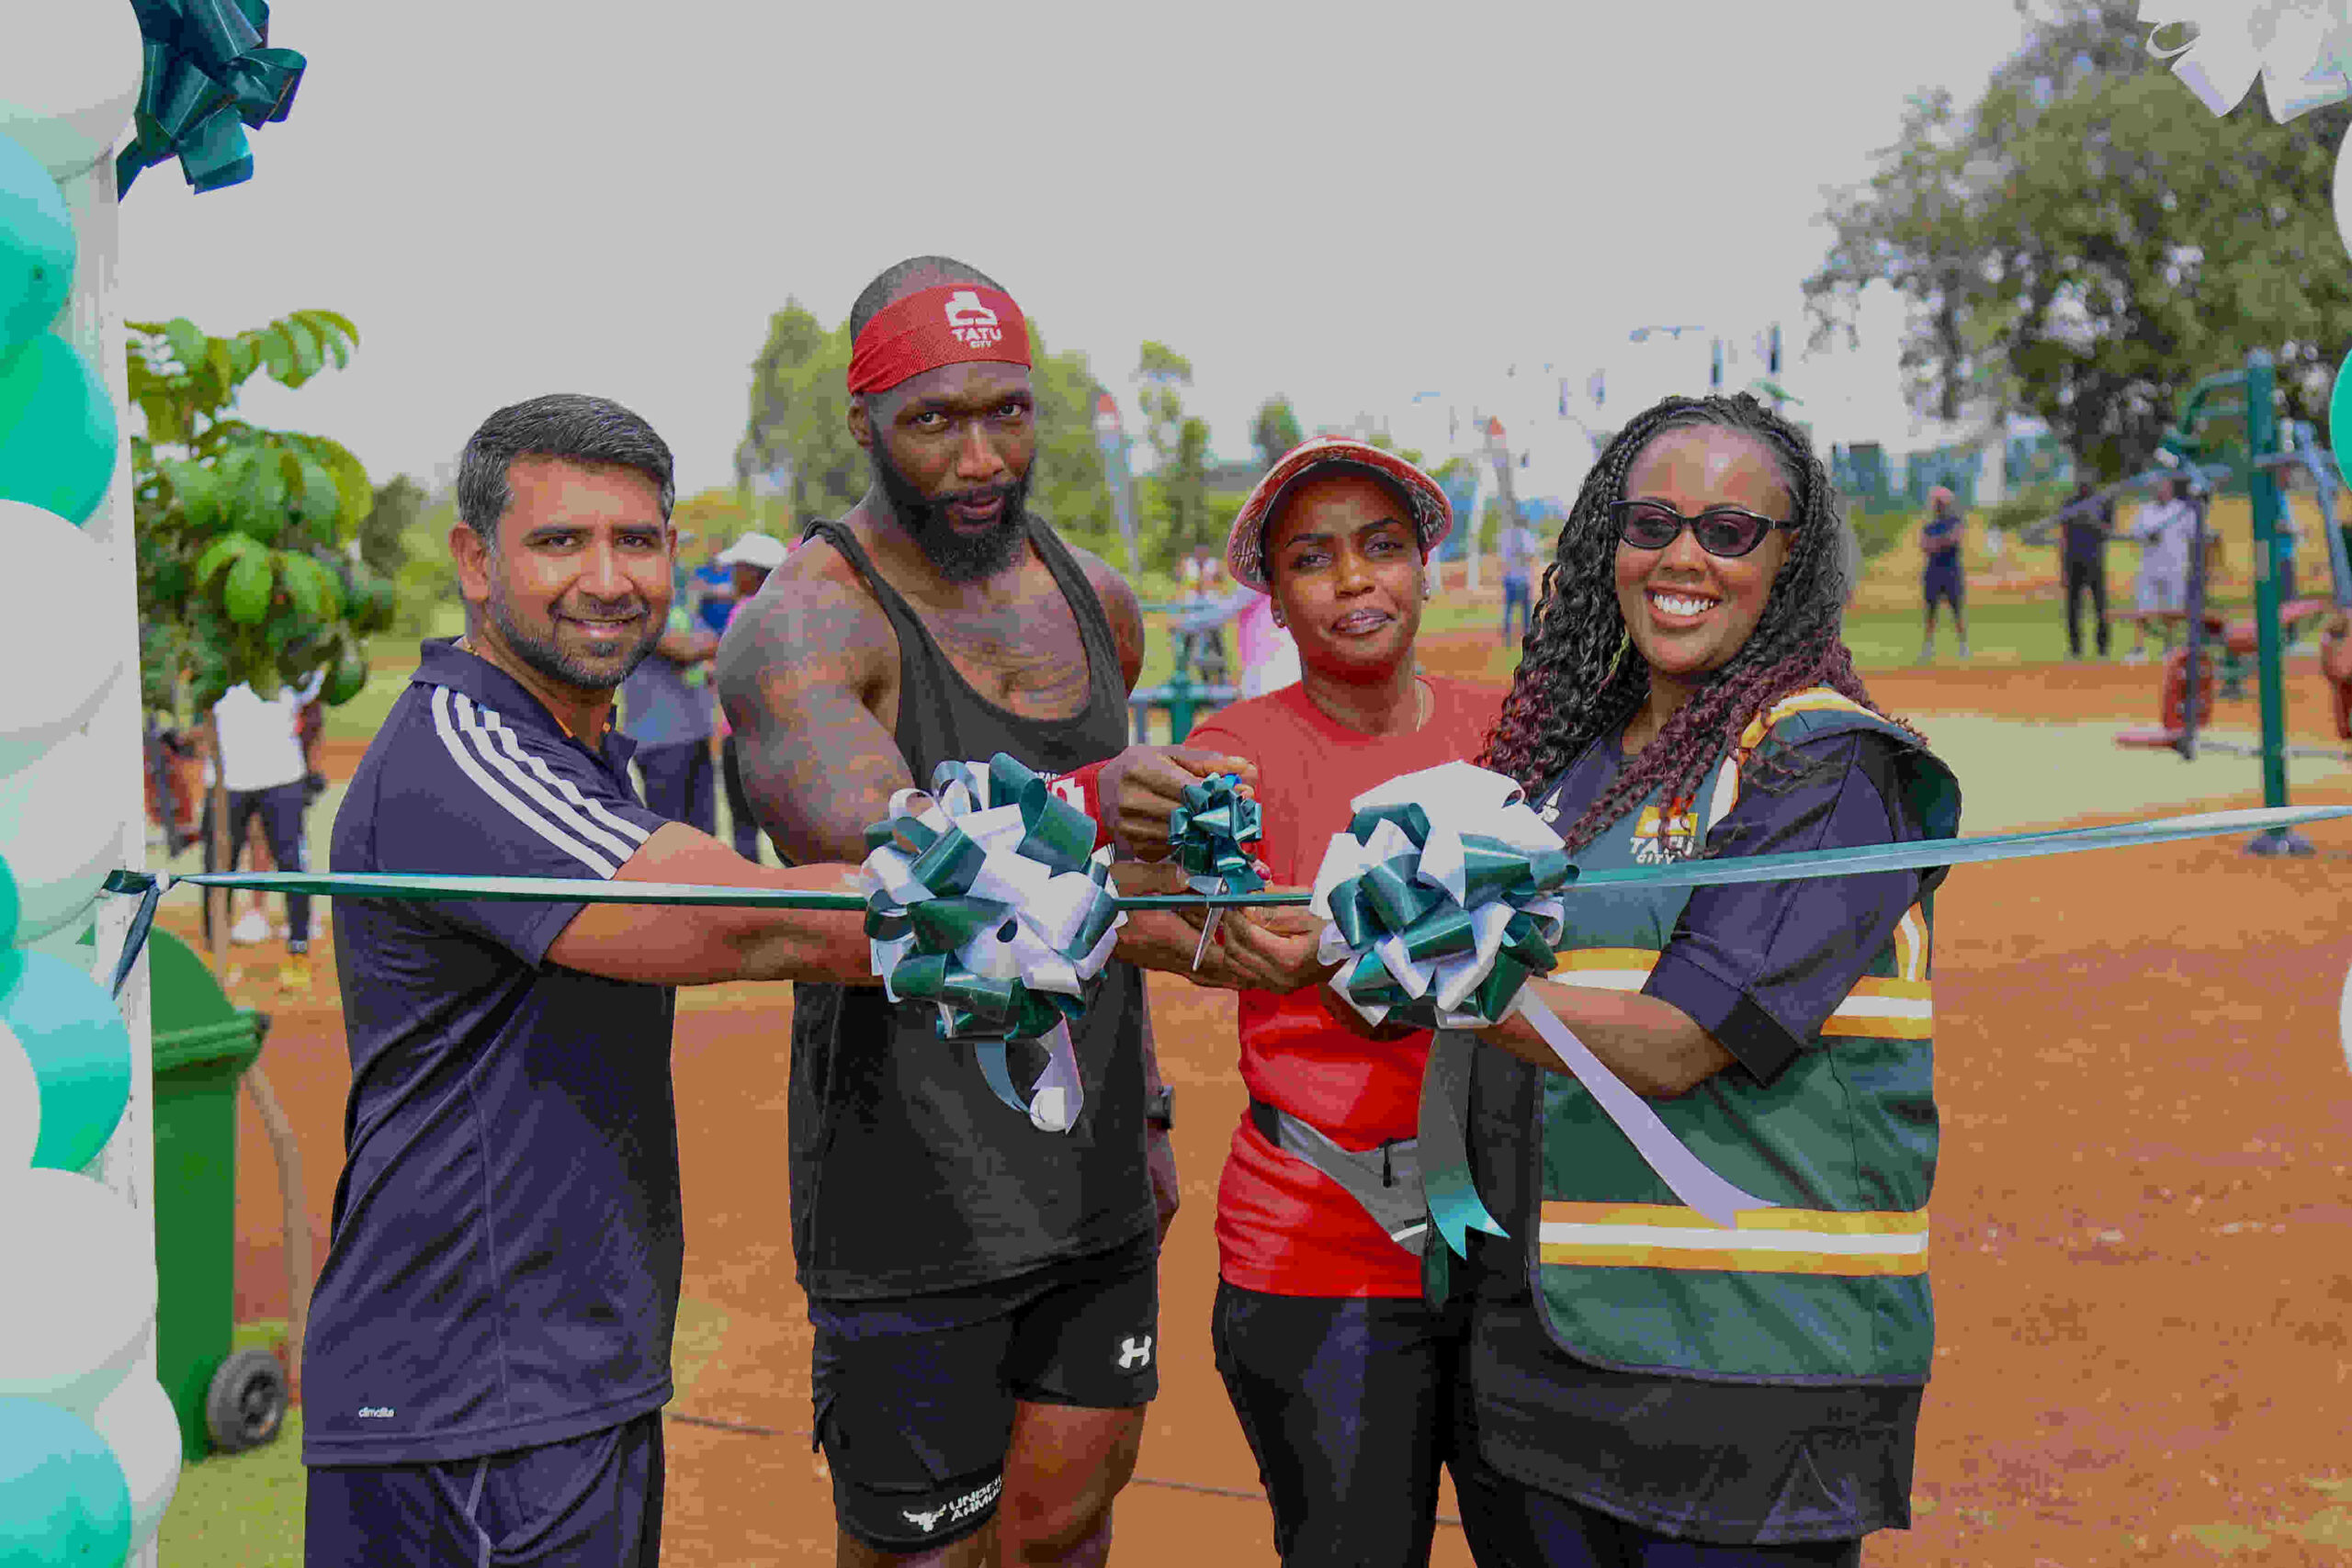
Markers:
<point>92,324</point>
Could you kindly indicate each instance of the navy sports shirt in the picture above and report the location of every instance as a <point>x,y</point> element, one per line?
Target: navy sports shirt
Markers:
<point>507,1241</point>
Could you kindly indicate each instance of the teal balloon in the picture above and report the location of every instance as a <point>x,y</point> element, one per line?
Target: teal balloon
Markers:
<point>57,429</point>
<point>75,1037</point>
<point>2339,408</point>
<point>9,904</point>
<point>64,1499</point>
<point>36,248</point>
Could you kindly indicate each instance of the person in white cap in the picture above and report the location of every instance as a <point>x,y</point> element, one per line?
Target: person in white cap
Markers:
<point>749,559</point>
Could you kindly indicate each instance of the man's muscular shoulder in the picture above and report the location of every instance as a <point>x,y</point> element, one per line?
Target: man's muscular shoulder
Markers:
<point>1119,603</point>
<point>814,621</point>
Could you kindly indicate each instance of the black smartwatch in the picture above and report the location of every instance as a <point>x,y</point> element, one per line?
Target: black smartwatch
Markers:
<point>1159,1107</point>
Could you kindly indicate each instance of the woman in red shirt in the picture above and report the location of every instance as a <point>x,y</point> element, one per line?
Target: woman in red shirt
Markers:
<point>1340,1373</point>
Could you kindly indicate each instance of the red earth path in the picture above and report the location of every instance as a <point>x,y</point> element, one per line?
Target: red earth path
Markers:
<point>2144,1237</point>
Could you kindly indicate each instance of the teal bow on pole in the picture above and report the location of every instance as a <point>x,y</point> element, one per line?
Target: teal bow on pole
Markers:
<point>211,75</point>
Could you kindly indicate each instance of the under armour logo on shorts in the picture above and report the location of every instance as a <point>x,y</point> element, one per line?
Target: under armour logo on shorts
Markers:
<point>1135,1353</point>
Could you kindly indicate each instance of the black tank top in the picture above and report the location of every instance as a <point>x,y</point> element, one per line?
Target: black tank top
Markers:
<point>908,1174</point>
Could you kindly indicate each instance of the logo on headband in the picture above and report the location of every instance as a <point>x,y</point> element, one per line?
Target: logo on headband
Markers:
<point>973,323</point>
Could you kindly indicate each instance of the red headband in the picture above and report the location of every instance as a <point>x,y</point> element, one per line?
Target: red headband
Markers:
<point>952,324</point>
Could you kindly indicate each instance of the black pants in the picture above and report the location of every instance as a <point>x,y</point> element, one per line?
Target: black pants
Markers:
<point>1344,1402</point>
<point>2085,577</point>
<point>680,784</point>
<point>745,823</point>
<point>281,810</point>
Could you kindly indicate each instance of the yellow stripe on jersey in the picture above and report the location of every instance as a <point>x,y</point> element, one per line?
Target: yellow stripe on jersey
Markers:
<point>1765,1241</point>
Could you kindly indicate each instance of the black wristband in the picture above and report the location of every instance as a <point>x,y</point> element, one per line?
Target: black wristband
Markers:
<point>1159,1107</point>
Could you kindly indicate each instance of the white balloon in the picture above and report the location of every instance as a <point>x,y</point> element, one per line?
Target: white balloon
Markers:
<point>2344,1018</point>
<point>49,631</point>
<point>70,79</point>
<point>2343,201</point>
<point>19,1106</point>
<point>57,836</point>
<point>80,1301</point>
<point>138,1422</point>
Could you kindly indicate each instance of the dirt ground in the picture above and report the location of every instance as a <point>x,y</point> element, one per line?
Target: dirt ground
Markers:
<point>2144,1241</point>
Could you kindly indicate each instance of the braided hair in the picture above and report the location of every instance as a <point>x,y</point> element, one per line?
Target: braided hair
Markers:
<point>1579,677</point>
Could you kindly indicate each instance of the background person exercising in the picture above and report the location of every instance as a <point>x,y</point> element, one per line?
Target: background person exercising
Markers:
<point>489,1348</point>
<point>985,1294</point>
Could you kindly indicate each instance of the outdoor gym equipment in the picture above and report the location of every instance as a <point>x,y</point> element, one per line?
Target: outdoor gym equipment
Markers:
<point>2253,455</point>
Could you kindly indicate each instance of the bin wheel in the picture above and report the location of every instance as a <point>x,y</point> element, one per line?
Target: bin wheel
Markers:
<point>246,1404</point>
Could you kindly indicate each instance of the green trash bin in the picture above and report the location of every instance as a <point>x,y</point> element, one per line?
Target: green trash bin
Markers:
<point>203,1044</point>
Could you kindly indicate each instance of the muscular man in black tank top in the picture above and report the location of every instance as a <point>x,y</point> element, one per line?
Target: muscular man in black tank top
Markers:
<point>984,1293</point>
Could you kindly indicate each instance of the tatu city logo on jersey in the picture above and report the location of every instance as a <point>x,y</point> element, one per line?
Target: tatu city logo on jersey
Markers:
<point>1659,837</point>
<point>973,323</point>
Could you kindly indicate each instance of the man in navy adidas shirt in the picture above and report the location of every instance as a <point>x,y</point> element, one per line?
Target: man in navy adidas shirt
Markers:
<point>489,1347</point>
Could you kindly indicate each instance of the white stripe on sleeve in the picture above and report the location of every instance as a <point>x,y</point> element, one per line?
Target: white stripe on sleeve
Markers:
<point>513,744</point>
<point>480,727</point>
<point>461,753</point>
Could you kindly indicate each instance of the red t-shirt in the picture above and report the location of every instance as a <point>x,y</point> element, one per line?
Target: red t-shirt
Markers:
<point>1283,1227</point>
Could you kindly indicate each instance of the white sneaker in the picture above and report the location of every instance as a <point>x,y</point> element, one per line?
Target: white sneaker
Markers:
<point>252,927</point>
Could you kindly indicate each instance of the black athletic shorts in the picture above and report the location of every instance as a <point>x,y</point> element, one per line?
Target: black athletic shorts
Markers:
<point>1346,1404</point>
<point>914,1394</point>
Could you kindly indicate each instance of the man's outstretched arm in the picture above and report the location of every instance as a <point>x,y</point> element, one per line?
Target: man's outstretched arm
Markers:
<point>700,944</point>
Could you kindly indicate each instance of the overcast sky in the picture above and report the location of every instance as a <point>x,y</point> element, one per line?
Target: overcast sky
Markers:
<point>1347,204</point>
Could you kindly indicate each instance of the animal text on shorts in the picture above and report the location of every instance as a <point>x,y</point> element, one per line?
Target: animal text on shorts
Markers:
<point>955,1510</point>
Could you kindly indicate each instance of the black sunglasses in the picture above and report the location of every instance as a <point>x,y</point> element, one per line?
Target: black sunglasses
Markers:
<point>1728,531</point>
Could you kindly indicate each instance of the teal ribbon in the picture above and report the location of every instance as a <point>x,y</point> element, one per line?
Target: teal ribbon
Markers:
<point>988,902</point>
<point>1206,831</point>
<point>1393,919</point>
<point>209,76</point>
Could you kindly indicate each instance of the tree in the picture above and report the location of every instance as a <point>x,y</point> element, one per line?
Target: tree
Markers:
<point>2086,242</point>
<point>1275,429</point>
<point>1387,442</point>
<point>242,577</point>
<point>800,415</point>
<point>399,507</point>
<point>1181,443</point>
<point>1067,484</point>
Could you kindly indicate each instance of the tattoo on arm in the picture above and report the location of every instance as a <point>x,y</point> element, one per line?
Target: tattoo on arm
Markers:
<point>1119,603</point>
<point>817,763</point>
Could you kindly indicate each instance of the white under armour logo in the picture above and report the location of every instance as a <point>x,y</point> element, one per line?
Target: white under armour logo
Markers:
<point>973,323</point>
<point>1135,1352</point>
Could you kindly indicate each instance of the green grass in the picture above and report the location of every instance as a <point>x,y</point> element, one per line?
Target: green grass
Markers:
<point>240,1510</point>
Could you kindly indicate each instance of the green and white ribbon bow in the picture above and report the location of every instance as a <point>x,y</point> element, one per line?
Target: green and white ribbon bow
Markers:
<point>1444,897</point>
<point>1205,834</point>
<point>210,77</point>
<point>989,902</point>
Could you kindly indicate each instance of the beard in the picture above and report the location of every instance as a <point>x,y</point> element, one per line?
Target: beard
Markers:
<point>578,668</point>
<point>960,557</point>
